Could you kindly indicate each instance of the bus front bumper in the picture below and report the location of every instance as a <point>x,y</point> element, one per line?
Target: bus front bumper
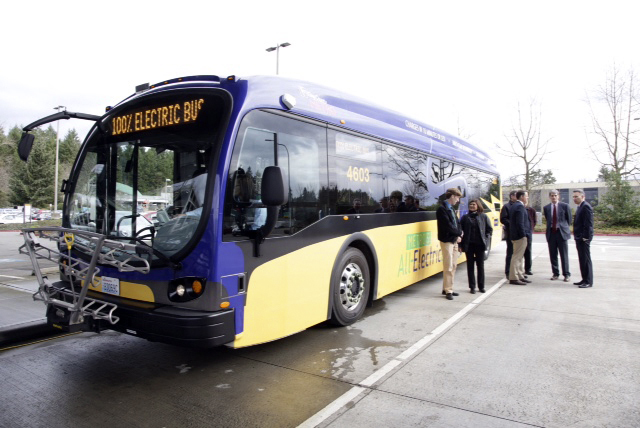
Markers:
<point>176,326</point>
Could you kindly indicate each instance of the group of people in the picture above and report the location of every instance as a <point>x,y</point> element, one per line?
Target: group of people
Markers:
<point>472,234</point>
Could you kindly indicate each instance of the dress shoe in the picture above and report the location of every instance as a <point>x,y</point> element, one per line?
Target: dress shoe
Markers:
<point>525,280</point>
<point>517,282</point>
<point>472,291</point>
<point>579,283</point>
<point>529,272</point>
<point>554,277</point>
<point>525,276</point>
<point>481,290</point>
<point>453,293</point>
<point>449,296</point>
<point>585,285</point>
<point>567,278</point>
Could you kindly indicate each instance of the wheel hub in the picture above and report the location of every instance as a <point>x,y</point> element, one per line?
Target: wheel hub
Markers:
<point>351,286</point>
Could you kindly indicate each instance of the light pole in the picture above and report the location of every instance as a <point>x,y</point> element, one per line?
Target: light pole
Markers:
<point>55,185</point>
<point>166,188</point>
<point>277,49</point>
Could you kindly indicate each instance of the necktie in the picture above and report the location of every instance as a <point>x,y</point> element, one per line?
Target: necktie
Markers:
<point>555,219</point>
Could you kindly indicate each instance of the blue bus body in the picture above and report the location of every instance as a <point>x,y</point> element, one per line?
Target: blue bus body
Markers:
<point>230,271</point>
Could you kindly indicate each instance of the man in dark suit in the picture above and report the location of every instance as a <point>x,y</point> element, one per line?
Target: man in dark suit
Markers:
<point>504,219</point>
<point>519,228</point>
<point>528,252</point>
<point>583,234</point>
<point>558,216</point>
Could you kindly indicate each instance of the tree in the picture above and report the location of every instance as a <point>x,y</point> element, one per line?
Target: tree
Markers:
<point>32,182</point>
<point>613,108</point>
<point>525,141</point>
<point>617,207</point>
<point>537,177</point>
<point>6,159</point>
<point>68,148</point>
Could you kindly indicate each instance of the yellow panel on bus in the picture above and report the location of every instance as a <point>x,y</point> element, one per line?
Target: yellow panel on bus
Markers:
<point>288,294</point>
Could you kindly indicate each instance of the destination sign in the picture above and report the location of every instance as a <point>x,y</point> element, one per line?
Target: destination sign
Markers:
<point>157,117</point>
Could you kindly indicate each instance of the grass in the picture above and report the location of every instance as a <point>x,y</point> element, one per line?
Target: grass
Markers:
<point>41,223</point>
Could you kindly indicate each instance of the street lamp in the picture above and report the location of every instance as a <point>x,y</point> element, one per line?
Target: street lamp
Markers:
<point>277,49</point>
<point>166,188</point>
<point>55,185</point>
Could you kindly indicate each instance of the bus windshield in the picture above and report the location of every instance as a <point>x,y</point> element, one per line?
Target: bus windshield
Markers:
<point>145,179</point>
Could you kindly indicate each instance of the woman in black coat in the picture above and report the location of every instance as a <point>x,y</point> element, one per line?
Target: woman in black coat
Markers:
<point>475,240</point>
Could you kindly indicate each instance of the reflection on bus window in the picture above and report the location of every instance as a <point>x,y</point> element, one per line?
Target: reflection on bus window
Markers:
<point>300,152</point>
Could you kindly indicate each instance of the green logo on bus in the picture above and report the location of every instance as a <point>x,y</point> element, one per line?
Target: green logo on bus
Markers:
<point>418,240</point>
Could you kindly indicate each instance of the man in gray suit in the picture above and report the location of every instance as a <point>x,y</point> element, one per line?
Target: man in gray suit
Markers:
<point>558,216</point>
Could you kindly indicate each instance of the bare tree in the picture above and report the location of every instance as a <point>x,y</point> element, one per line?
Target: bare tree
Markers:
<point>525,141</point>
<point>614,107</point>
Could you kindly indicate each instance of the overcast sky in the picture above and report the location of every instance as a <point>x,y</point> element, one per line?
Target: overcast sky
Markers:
<point>459,66</point>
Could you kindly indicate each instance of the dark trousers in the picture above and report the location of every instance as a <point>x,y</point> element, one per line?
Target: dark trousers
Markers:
<point>584,256</point>
<point>558,245</point>
<point>528,259</point>
<point>508,258</point>
<point>475,257</point>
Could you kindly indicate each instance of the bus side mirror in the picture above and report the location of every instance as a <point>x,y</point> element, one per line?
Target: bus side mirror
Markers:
<point>26,143</point>
<point>272,190</point>
<point>273,195</point>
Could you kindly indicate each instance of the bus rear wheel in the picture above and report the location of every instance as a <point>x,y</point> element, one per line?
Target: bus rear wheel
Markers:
<point>350,286</point>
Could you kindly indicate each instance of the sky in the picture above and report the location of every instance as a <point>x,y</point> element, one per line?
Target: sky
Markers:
<point>461,66</point>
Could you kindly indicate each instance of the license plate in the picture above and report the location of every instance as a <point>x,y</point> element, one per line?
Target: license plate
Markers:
<point>111,285</point>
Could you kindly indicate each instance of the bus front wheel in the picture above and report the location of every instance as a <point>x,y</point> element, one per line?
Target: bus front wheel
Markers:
<point>350,285</point>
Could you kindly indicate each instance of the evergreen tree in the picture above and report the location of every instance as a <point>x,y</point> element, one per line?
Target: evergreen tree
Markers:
<point>617,207</point>
<point>153,170</point>
<point>32,182</point>
<point>68,148</point>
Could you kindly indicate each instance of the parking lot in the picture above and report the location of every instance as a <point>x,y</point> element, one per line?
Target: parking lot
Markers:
<point>546,354</point>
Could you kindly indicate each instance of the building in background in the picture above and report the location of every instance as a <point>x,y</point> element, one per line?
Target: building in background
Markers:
<point>593,190</point>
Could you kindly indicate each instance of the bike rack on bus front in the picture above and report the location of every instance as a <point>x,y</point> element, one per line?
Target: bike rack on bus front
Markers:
<point>49,243</point>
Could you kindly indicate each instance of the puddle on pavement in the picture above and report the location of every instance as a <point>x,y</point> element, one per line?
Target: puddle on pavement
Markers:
<point>359,353</point>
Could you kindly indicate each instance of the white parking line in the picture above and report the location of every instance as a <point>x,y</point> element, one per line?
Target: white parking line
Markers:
<point>398,361</point>
<point>12,277</point>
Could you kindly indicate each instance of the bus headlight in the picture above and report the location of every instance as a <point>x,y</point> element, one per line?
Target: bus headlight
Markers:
<point>185,289</point>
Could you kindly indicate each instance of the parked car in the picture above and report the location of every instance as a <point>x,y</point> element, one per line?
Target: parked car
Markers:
<point>43,215</point>
<point>11,218</point>
<point>152,216</point>
<point>123,224</point>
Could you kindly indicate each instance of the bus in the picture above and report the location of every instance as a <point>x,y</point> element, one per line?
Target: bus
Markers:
<point>285,204</point>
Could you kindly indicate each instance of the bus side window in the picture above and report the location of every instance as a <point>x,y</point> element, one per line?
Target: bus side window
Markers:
<point>299,149</point>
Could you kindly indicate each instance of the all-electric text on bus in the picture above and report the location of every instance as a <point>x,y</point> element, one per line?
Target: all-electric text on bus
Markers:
<point>204,211</point>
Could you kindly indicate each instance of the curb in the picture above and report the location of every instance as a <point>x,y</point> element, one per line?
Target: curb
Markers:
<point>25,331</point>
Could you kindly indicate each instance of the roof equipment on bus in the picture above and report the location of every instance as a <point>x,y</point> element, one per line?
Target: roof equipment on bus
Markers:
<point>288,101</point>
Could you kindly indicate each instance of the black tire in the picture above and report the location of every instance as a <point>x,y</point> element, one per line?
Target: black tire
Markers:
<point>350,287</point>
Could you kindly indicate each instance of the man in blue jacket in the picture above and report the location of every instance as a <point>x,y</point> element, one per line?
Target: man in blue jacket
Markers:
<point>449,235</point>
<point>519,229</point>
<point>583,234</point>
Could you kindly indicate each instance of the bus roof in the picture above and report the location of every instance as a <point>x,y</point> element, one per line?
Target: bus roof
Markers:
<point>342,110</point>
